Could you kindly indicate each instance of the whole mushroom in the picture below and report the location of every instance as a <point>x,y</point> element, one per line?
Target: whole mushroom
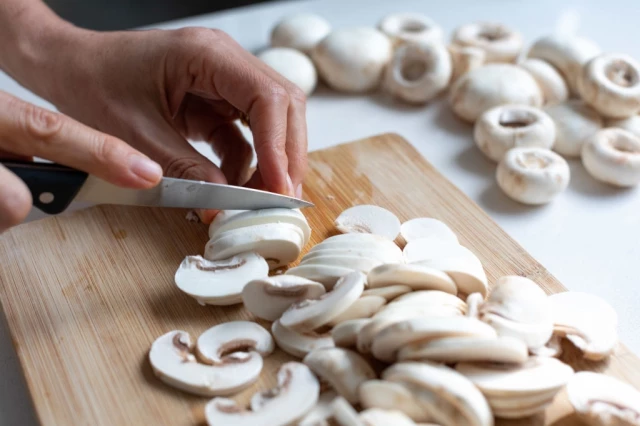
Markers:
<point>500,43</point>
<point>302,31</point>
<point>575,122</point>
<point>551,82</point>
<point>410,27</point>
<point>292,65</point>
<point>613,156</point>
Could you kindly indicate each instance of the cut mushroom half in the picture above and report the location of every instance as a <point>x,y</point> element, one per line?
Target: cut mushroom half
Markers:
<point>417,277</point>
<point>500,43</point>
<point>427,228</point>
<point>554,87</point>
<point>613,156</point>
<point>219,282</point>
<point>388,395</point>
<point>411,27</point>
<point>171,357</point>
<point>227,220</point>
<point>230,337</point>
<point>364,307</point>
<point>345,334</point>
<point>296,394</point>
<point>368,219</point>
<point>299,344</point>
<point>575,122</point>
<point>452,350</point>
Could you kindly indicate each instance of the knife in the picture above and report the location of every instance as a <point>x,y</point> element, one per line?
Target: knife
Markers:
<point>53,187</point>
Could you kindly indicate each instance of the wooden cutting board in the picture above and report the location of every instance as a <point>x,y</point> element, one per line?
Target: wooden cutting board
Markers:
<point>86,294</point>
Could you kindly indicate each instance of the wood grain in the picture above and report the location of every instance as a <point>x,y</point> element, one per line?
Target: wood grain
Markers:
<point>86,294</point>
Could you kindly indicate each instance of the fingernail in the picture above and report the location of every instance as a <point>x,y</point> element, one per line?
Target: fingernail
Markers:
<point>290,190</point>
<point>145,168</point>
<point>299,191</point>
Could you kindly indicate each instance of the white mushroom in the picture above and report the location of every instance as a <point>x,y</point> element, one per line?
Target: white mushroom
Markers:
<point>278,243</point>
<point>375,252</point>
<point>299,344</point>
<point>322,412</point>
<point>269,297</point>
<point>368,219</point>
<point>227,220</point>
<point>343,369</point>
<point>568,53</point>
<point>230,337</point>
<point>492,85</point>
<point>532,175</point>
<point>296,394</point>
<point>357,241</point>
<point>587,321</point>
<point>613,156</point>
<point>509,126</point>
<point>426,298</point>
<point>410,27</point>
<point>171,357</point>
<point>474,301</point>
<point>418,277</point>
<point>452,350</point>
<point>364,307</point>
<point>345,334</point>
<point>353,59</point>
<point>426,228</point>
<point>575,122</point>
<point>302,31</point>
<point>500,43</point>
<point>344,414</point>
<point>356,263</point>
<point>392,396</point>
<point>313,313</point>
<point>292,65</point>
<point>388,292</point>
<point>603,400</point>
<point>325,274</point>
<point>219,282</point>
<point>465,59</point>
<point>631,124</point>
<point>554,87</point>
<point>417,73</point>
<point>380,417</point>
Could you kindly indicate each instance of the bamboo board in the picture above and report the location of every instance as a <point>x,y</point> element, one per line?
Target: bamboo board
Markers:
<point>86,294</point>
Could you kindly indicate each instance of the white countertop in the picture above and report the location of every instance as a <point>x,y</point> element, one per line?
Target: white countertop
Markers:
<point>588,237</point>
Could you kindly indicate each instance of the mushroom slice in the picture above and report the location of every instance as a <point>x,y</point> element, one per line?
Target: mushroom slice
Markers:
<point>356,240</point>
<point>586,320</point>
<point>364,307</point>
<point>392,338</point>
<point>452,350</point>
<point>410,27</point>
<point>465,59</point>
<point>518,299</point>
<point>380,417</point>
<point>418,277</point>
<point>234,336</point>
<point>343,369</point>
<point>554,87</point>
<point>173,362</point>
<point>363,264</point>
<point>432,298</point>
<point>575,122</point>
<point>344,414</point>
<point>613,156</point>
<point>278,243</point>
<point>321,413</point>
<point>532,175</point>
<point>299,344</point>
<point>269,297</point>
<point>227,220</point>
<point>426,228</point>
<point>379,253</point>
<point>392,396</point>
<point>467,272</point>
<point>389,292</point>
<point>428,249</point>
<point>324,274</point>
<point>296,394</point>
<point>219,282</point>
<point>345,334</point>
<point>314,313</point>
<point>474,301</point>
<point>302,31</point>
<point>293,65</point>
<point>603,400</point>
<point>500,43</point>
<point>368,219</point>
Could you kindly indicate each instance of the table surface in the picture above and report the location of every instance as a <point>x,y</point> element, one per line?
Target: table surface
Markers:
<point>587,238</point>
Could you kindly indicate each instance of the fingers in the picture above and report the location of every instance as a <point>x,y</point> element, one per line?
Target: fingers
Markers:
<point>15,200</point>
<point>27,130</point>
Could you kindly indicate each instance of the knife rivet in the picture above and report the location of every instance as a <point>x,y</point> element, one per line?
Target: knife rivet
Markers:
<point>46,198</point>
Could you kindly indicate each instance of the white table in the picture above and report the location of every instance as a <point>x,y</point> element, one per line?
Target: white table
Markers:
<point>588,237</point>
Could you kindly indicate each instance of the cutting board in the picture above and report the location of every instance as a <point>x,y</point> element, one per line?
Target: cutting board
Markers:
<point>86,294</point>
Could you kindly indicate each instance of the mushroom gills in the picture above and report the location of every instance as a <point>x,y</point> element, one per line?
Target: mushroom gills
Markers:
<point>234,336</point>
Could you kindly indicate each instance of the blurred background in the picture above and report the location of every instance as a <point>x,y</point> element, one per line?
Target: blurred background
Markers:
<point>123,14</point>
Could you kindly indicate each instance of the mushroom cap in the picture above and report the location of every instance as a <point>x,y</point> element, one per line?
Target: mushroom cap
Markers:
<point>313,313</point>
<point>219,282</point>
<point>575,123</point>
<point>508,126</point>
<point>417,277</point>
<point>376,252</point>
<point>364,307</point>
<point>392,396</point>
<point>500,43</point>
<point>389,292</point>
<point>356,263</point>
<point>552,83</point>
<point>234,336</point>
<point>269,297</point>
<point>630,124</point>
<point>518,299</point>
<point>491,85</point>
<point>452,350</point>
<point>353,59</point>
<point>417,73</point>
<point>587,320</point>
<point>296,394</point>
<point>325,274</point>
<point>368,219</point>
<point>426,228</point>
<point>532,175</point>
<point>343,369</point>
<point>302,31</point>
<point>292,65</point>
<point>299,344</point>
<point>227,220</point>
<point>345,334</point>
<point>613,156</point>
<point>465,59</point>
<point>410,27</point>
<point>380,417</point>
<point>173,362</point>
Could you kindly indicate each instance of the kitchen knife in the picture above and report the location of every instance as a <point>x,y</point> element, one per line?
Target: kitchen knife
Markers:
<point>53,187</point>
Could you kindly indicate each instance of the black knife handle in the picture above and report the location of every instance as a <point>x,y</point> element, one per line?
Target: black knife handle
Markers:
<point>52,186</point>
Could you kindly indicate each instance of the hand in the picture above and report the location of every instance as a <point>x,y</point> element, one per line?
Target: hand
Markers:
<point>27,131</point>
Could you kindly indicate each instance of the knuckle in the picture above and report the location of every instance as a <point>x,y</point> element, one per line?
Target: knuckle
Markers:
<point>105,148</point>
<point>277,95</point>
<point>297,95</point>
<point>16,204</point>
<point>39,123</point>
<point>198,37</point>
<point>182,168</point>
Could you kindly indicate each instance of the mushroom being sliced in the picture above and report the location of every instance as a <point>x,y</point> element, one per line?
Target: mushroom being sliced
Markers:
<point>368,219</point>
<point>392,396</point>
<point>296,394</point>
<point>418,277</point>
<point>324,274</point>
<point>269,297</point>
<point>227,220</point>
<point>389,292</point>
<point>380,417</point>
<point>235,336</point>
<point>452,350</point>
<point>173,362</point>
<point>364,307</point>
<point>345,334</point>
<point>219,282</point>
<point>363,264</point>
<point>427,228</point>
<point>299,344</point>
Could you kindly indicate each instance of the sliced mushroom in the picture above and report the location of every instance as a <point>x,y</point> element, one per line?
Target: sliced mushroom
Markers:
<point>492,85</point>
<point>364,307</point>
<point>299,344</point>
<point>368,219</point>
<point>380,253</point>
<point>554,87</point>
<point>322,412</point>
<point>630,124</point>
<point>324,274</point>
<point>613,156</point>
<point>171,357</point>
<point>302,31</point>
<point>417,73</point>
<point>345,334</point>
<point>344,414</point>
<point>474,301</point>
<point>532,175</point>
<point>292,65</point>
<point>313,313</point>
<point>296,394</point>
<point>343,369</point>
<point>452,350</point>
<point>508,126</point>
<point>500,43</point>
<point>587,321</point>
<point>426,298</point>
<point>465,59</point>
<point>466,271</point>
<point>353,59</point>
<point>410,27</point>
<point>603,400</point>
<point>278,243</point>
<point>426,228</point>
<point>234,336</point>
<point>227,220</point>
<point>392,396</point>
<point>417,277</point>
<point>357,241</point>
<point>427,249</point>
<point>269,297</point>
<point>389,292</point>
<point>380,417</point>
<point>575,123</point>
<point>219,282</point>
<point>357,263</point>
